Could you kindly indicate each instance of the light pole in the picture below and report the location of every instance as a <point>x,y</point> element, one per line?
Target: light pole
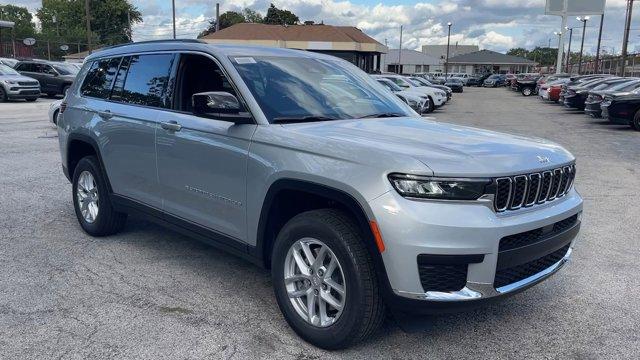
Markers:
<point>584,28</point>
<point>446,63</point>
<point>597,65</point>
<point>569,49</point>
<point>173,9</point>
<point>559,35</point>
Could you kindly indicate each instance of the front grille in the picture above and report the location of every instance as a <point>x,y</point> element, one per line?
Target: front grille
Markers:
<point>533,236</point>
<point>525,190</point>
<point>520,272</point>
<point>28,83</point>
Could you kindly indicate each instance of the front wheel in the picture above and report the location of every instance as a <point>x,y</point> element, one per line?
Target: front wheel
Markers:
<point>527,91</point>
<point>432,106</point>
<point>635,123</point>
<point>324,280</point>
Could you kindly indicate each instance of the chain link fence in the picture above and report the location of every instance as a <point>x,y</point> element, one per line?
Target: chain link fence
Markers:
<point>42,49</point>
<point>609,65</point>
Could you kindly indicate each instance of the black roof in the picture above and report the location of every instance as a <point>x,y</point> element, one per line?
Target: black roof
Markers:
<point>489,57</point>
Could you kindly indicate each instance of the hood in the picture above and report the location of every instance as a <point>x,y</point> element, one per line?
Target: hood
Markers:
<point>447,149</point>
<point>16,78</point>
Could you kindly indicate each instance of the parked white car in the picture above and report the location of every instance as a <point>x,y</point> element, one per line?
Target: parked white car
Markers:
<point>418,102</point>
<point>54,111</point>
<point>436,96</point>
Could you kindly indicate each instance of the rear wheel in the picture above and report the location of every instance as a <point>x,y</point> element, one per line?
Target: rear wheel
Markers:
<point>3,95</point>
<point>635,123</point>
<point>91,200</point>
<point>324,280</point>
<point>527,91</point>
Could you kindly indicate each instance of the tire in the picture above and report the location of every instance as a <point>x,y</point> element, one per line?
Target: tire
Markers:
<point>106,221</point>
<point>527,91</point>
<point>432,106</point>
<point>3,95</point>
<point>55,117</point>
<point>635,122</point>
<point>31,99</point>
<point>363,308</point>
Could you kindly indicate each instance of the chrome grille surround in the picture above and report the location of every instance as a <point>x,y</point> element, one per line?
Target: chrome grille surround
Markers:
<point>526,190</point>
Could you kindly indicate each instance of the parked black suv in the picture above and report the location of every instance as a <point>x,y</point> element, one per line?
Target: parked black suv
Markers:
<point>55,77</point>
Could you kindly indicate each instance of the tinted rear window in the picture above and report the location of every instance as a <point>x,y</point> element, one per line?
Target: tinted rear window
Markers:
<point>98,81</point>
<point>146,80</point>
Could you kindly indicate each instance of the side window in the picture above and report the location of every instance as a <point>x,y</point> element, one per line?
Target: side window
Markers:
<point>24,67</point>
<point>118,85</point>
<point>47,69</point>
<point>99,78</point>
<point>146,80</point>
<point>198,74</point>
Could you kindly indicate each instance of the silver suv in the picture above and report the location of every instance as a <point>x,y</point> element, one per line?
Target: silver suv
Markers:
<point>304,165</point>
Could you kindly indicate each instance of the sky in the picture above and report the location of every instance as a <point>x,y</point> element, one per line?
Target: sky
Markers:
<point>492,24</point>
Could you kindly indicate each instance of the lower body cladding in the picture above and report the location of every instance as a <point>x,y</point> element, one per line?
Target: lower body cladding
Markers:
<point>442,256</point>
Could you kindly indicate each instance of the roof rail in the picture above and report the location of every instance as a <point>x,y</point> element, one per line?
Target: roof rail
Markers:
<point>156,42</point>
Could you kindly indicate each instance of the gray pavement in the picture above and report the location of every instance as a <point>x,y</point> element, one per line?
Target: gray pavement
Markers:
<point>149,293</point>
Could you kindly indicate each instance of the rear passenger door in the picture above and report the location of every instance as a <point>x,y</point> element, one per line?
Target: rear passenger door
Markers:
<point>123,97</point>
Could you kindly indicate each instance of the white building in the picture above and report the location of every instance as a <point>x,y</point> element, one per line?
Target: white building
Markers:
<point>440,51</point>
<point>408,62</point>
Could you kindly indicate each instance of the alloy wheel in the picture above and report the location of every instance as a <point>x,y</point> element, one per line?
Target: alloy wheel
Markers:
<point>315,282</point>
<point>87,196</point>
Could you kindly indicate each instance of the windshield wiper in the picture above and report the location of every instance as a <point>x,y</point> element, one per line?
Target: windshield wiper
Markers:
<point>382,115</point>
<point>299,119</point>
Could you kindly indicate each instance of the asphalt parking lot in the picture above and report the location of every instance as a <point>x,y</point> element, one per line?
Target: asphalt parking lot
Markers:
<point>150,293</point>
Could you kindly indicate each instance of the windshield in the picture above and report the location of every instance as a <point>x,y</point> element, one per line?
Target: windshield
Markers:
<point>308,88</point>
<point>421,81</point>
<point>493,77</point>
<point>65,69</point>
<point>390,84</point>
<point>5,70</point>
<point>625,86</point>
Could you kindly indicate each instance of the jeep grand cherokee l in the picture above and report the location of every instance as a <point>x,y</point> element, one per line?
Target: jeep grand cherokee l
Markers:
<point>355,203</point>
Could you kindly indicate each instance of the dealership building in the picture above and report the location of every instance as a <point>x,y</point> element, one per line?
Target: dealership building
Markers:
<point>346,42</point>
<point>408,62</point>
<point>487,61</point>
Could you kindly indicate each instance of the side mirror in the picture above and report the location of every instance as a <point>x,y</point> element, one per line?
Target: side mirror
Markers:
<point>220,105</point>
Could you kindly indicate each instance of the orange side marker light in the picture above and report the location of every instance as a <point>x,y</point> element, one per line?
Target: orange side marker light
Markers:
<point>377,236</point>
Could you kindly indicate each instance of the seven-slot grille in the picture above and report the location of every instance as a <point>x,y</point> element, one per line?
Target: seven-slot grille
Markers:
<point>28,83</point>
<point>515,192</point>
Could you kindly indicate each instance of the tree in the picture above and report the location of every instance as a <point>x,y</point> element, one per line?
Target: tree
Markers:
<point>277,16</point>
<point>545,56</point>
<point>252,16</point>
<point>24,26</point>
<point>520,52</point>
<point>227,19</point>
<point>110,20</point>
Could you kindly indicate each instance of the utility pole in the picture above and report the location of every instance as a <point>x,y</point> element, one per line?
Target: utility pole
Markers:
<point>569,50</point>
<point>87,14</point>
<point>625,41</point>
<point>446,63</point>
<point>597,65</point>
<point>217,17</point>
<point>584,28</point>
<point>173,7</point>
<point>399,52</point>
<point>130,32</point>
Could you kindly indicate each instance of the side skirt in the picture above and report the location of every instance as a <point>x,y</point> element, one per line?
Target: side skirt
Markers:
<point>190,229</point>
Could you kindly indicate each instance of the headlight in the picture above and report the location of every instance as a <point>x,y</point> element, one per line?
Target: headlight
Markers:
<point>426,187</point>
<point>10,82</point>
<point>412,103</point>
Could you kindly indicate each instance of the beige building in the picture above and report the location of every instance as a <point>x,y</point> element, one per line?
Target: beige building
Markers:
<point>346,42</point>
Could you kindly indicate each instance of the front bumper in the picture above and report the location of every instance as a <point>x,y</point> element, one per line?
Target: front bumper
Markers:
<point>410,228</point>
<point>593,109</point>
<point>22,92</point>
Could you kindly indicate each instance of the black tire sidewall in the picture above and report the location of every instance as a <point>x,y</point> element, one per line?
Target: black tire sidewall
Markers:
<point>3,95</point>
<point>90,163</point>
<point>340,333</point>
<point>635,122</point>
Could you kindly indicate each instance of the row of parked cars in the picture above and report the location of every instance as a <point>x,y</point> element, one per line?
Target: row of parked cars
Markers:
<point>418,91</point>
<point>614,98</point>
<point>28,79</point>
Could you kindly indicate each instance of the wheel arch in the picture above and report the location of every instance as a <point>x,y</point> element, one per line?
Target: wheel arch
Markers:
<point>272,217</point>
<point>79,146</point>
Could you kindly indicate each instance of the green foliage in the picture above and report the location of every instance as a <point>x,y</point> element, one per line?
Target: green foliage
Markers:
<point>20,15</point>
<point>109,23</point>
<point>543,55</point>
<point>276,16</point>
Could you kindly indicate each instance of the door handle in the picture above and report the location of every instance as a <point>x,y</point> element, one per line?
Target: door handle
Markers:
<point>171,126</point>
<point>106,114</point>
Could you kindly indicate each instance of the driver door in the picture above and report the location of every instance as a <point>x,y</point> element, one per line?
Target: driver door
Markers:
<point>202,162</point>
